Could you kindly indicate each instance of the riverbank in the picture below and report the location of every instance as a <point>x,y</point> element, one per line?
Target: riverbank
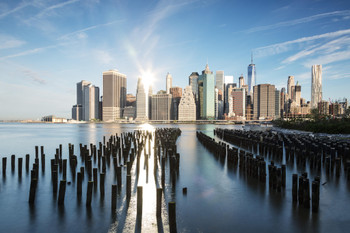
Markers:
<point>330,126</point>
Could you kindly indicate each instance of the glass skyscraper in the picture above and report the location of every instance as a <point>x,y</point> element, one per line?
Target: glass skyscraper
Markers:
<point>251,77</point>
<point>316,85</point>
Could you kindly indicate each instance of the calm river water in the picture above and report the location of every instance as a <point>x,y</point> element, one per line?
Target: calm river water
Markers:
<point>217,200</point>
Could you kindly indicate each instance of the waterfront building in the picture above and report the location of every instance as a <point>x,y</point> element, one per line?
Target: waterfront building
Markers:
<point>141,101</point>
<point>277,104</point>
<point>251,77</point>
<point>282,101</point>
<point>207,77</point>
<point>316,85</point>
<point>323,107</point>
<point>187,106</point>
<point>161,106</point>
<point>77,112</point>
<point>238,96</point>
<point>129,112</point>
<point>176,93</point>
<point>79,108</point>
<point>216,103</point>
<point>228,90</point>
<point>169,81</point>
<point>149,105</point>
<point>264,101</point>
<point>91,102</point>
<point>114,95</point>
<point>228,79</point>
<point>290,84</point>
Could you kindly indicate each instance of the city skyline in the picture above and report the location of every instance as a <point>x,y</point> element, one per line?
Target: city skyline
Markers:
<point>49,46</point>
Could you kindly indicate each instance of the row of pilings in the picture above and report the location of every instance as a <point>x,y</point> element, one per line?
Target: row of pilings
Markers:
<point>254,166</point>
<point>112,157</point>
<point>305,150</point>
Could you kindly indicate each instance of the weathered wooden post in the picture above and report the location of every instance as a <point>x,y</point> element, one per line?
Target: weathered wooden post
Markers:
<point>79,184</point>
<point>102,185</point>
<point>32,191</point>
<point>295,188</point>
<point>13,162</point>
<point>27,162</point>
<point>283,175</point>
<point>315,196</point>
<point>128,186</point>
<point>114,197</point>
<point>139,201</point>
<point>159,202</point>
<point>20,162</point>
<point>89,193</point>
<point>62,192</point>
<point>95,177</point>
<point>306,192</point>
<point>172,217</point>
<point>65,169</point>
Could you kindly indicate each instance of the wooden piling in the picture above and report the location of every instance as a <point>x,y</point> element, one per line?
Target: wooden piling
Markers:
<point>32,191</point>
<point>295,188</point>
<point>20,162</point>
<point>62,192</point>
<point>315,196</point>
<point>114,197</point>
<point>79,184</point>
<point>139,201</point>
<point>13,162</point>
<point>95,177</point>
<point>128,186</point>
<point>159,201</point>
<point>102,185</point>
<point>89,193</point>
<point>27,162</point>
<point>64,169</point>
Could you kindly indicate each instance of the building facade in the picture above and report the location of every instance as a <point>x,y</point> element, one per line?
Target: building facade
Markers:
<point>141,101</point>
<point>251,77</point>
<point>176,93</point>
<point>290,84</point>
<point>161,106</point>
<point>187,106</point>
<point>169,83</point>
<point>114,95</point>
<point>316,85</point>
<point>208,94</point>
<point>264,101</point>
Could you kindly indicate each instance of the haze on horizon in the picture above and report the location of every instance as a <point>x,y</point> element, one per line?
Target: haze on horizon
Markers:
<point>47,46</point>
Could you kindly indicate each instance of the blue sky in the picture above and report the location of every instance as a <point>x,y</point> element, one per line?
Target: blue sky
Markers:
<point>47,46</point>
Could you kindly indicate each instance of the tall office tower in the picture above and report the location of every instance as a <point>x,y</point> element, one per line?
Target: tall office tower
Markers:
<point>282,101</point>
<point>228,79</point>
<point>238,96</point>
<point>200,114</point>
<point>290,84</point>
<point>251,77</point>
<point>169,81</point>
<point>297,94</point>
<point>277,104</point>
<point>219,80</point>
<point>208,110</point>
<point>216,102</point>
<point>264,101</point>
<point>161,106</point>
<point>141,101</point>
<point>176,93</point>
<point>228,90</point>
<point>187,106</point>
<point>114,95</point>
<point>221,103</point>
<point>149,105</point>
<point>241,81</point>
<point>193,82</point>
<point>91,101</point>
<point>316,85</point>
<point>80,106</point>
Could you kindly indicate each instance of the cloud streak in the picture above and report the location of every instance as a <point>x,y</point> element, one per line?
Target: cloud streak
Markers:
<point>14,10</point>
<point>308,19</point>
<point>8,42</point>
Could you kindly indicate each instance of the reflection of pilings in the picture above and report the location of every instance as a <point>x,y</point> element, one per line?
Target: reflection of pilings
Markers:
<point>79,184</point>
<point>114,197</point>
<point>62,192</point>
<point>159,202</point>
<point>102,185</point>
<point>172,217</point>
<point>139,201</point>
<point>89,193</point>
<point>128,186</point>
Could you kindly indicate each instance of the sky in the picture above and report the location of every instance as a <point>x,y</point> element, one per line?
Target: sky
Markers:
<point>47,46</point>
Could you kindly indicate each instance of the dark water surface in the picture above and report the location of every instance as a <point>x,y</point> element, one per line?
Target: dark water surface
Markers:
<point>218,199</point>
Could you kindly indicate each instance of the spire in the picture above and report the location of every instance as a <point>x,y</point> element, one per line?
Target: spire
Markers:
<point>251,59</point>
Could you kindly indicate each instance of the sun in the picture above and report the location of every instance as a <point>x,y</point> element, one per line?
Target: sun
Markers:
<point>147,79</point>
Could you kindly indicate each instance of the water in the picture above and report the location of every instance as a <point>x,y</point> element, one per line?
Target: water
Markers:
<point>217,200</point>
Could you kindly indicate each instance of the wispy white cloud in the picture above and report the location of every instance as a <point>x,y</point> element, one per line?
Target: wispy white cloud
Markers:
<point>308,19</point>
<point>22,5</point>
<point>81,33</point>
<point>288,45</point>
<point>30,51</point>
<point>103,56</point>
<point>33,76</point>
<point>50,9</point>
<point>328,58</point>
<point>7,42</point>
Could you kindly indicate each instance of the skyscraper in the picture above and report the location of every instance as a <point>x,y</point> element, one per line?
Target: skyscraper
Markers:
<point>161,106</point>
<point>193,82</point>
<point>290,84</point>
<point>219,80</point>
<point>187,106</point>
<point>264,101</point>
<point>251,77</point>
<point>297,94</point>
<point>141,101</point>
<point>79,108</point>
<point>91,102</point>
<point>316,85</point>
<point>114,95</point>
<point>238,101</point>
<point>228,90</point>
<point>208,94</point>
<point>169,80</point>
<point>176,93</point>
<point>241,81</point>
<point>277,103</point>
